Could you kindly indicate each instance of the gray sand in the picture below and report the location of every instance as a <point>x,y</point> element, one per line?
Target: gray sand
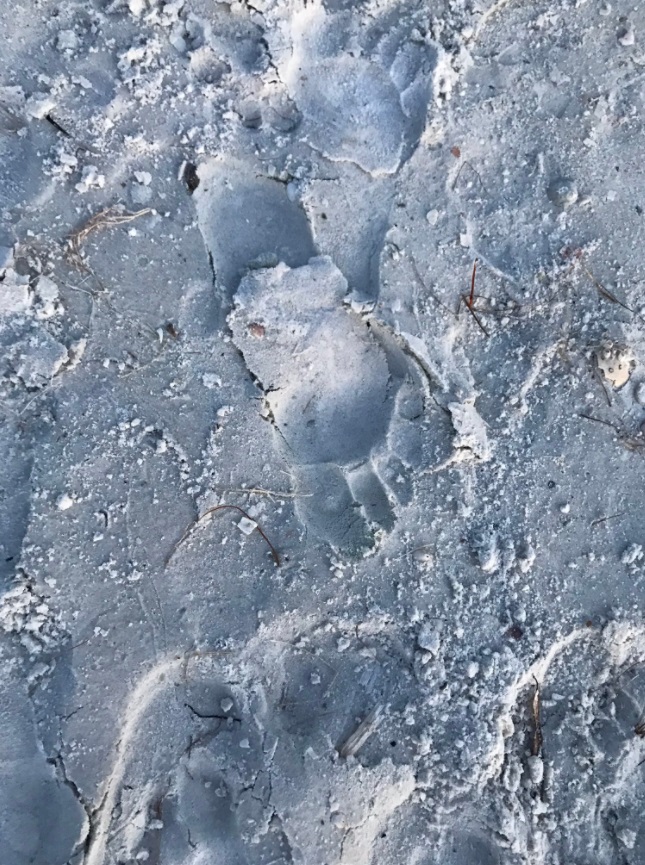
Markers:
<point>236,251</point>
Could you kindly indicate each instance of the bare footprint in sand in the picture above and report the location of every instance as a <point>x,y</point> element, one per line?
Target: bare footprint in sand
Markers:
<point>330,391</point>
<point>237,757</point>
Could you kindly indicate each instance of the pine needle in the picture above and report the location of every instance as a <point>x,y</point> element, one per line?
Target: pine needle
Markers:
<point>107,218</point>
<point>193,526</point>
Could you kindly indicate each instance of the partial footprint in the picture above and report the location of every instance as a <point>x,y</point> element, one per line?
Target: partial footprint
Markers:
<point>41,817</point>
<point>363,90</point>
<point>238,757</point>
<point>575,793</point>
<point>411,836</point>
<point>248,219</point>
<point>329,390</point>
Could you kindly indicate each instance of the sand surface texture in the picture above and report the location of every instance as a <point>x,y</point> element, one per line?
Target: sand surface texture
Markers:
<point>316,546</point>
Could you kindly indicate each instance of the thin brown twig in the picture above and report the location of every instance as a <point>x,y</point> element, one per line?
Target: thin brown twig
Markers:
<point>468,163</point>
<point>597,420</point>
<point>597,376</point>
<point>631,442</point>
<point>536,705</point>
<point>421,281</point>
<point>471,299</point>
<point>214,510</point>
<point>639,726</point>
<point>604,292</point>
<point>476,317</point>
<point>258,491</point>
<point>601,520</point>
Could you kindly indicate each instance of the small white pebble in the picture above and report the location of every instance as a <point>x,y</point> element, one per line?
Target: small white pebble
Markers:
<point>67,40</point>
<point>633,553</point>
<point>143,177</point>
<point>210,380</point>
<point>226,705</point>
<point>429,639</point>
<point>423,557</point>
<point>90,179</point>
<point>472,669</point>
<point>536,769</point>
<point>627,837</point>
<point>247,526</point>
<point>64,502</point>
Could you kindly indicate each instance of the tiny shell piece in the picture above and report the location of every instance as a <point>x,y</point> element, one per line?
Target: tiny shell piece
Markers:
<point>256,329</point>
<point>615,363</point>
<point>563,192</point>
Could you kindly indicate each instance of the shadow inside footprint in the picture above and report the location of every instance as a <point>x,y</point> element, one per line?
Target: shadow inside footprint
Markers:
<point>41,817</point>
<point>203,816</point>
<point>464,847</point>
<point>248,219</point>
<point>15,472</point>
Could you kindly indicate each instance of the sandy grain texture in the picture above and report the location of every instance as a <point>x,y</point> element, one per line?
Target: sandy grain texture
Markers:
<point>237,247</point>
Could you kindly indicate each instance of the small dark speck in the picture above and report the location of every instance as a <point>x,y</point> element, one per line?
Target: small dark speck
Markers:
<point>190,177</point>
<point>639,210</point>
<point>551,485</point>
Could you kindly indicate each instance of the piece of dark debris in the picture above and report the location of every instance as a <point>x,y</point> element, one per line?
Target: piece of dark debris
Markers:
<point>639,726</point>
<point>190,176</point>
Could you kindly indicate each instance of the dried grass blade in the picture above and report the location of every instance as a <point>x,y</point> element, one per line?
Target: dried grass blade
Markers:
<point>361,734</point>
